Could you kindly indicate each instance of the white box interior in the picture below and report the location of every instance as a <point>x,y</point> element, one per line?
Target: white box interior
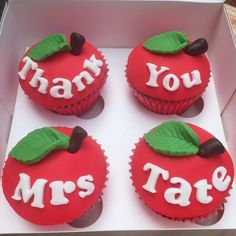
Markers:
<point>115,26</point>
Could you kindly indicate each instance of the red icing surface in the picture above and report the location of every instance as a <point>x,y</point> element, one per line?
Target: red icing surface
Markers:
<point>178,63</point>
<point>59,165</point>
<point>191,168</point>
<point>67,66</point>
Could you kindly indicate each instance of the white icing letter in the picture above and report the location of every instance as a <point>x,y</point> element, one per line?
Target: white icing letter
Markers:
<point>167,82</point>
<point>78,80</point>
<point>65,88</point>
<point>37,78</point>
<point>196,79</point>
<point>201,191</point>
<point>23,191</point>
<point>29,64</point>
<point>183,192</point>
<point>152,82</point>
<point>93,65</point>
<point>219,179</point>
<point>85,182</point>
<point>156,171</point>
<point>58,189</point>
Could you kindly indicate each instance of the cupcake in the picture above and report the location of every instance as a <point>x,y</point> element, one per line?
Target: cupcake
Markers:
<point>54,175</point>
<point>65,75</point>
<point>167,73</point>
<point>181,171</point>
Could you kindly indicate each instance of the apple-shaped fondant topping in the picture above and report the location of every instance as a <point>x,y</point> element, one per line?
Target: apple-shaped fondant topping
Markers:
<point>60,81</point>
<point>173,179</point>
<point>60,186</point>
<point>166,73</point>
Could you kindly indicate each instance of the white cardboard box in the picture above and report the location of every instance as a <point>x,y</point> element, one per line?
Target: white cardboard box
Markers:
<point>116,27</point>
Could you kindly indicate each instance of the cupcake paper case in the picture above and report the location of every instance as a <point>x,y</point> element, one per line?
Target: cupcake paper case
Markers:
<point>65,75</point>
<point>181,171</point>
<point>168,72</point>
<point>54,175</point>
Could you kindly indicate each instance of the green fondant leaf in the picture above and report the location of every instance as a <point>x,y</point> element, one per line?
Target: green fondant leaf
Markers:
<point>38,144</point>
<point>49,46</point>
<point>173,138</point>
<point>169,42</point>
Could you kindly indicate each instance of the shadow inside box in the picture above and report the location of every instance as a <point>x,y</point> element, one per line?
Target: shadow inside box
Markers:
<point>95,111</point>
<point>212,219</point>
<point>194,110</point>
<point>90,217</point>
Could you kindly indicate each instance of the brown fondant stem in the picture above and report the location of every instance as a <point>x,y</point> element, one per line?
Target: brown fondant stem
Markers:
<point>76,139</point>
<point>197,47</point>
<point>210,148</point>
<point>76,42</point>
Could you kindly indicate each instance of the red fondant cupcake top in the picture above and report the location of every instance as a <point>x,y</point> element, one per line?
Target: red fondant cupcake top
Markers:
<point>48,181</point>
<point>178,173</point>
<point>162,69</point>
<point>51,74</point>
